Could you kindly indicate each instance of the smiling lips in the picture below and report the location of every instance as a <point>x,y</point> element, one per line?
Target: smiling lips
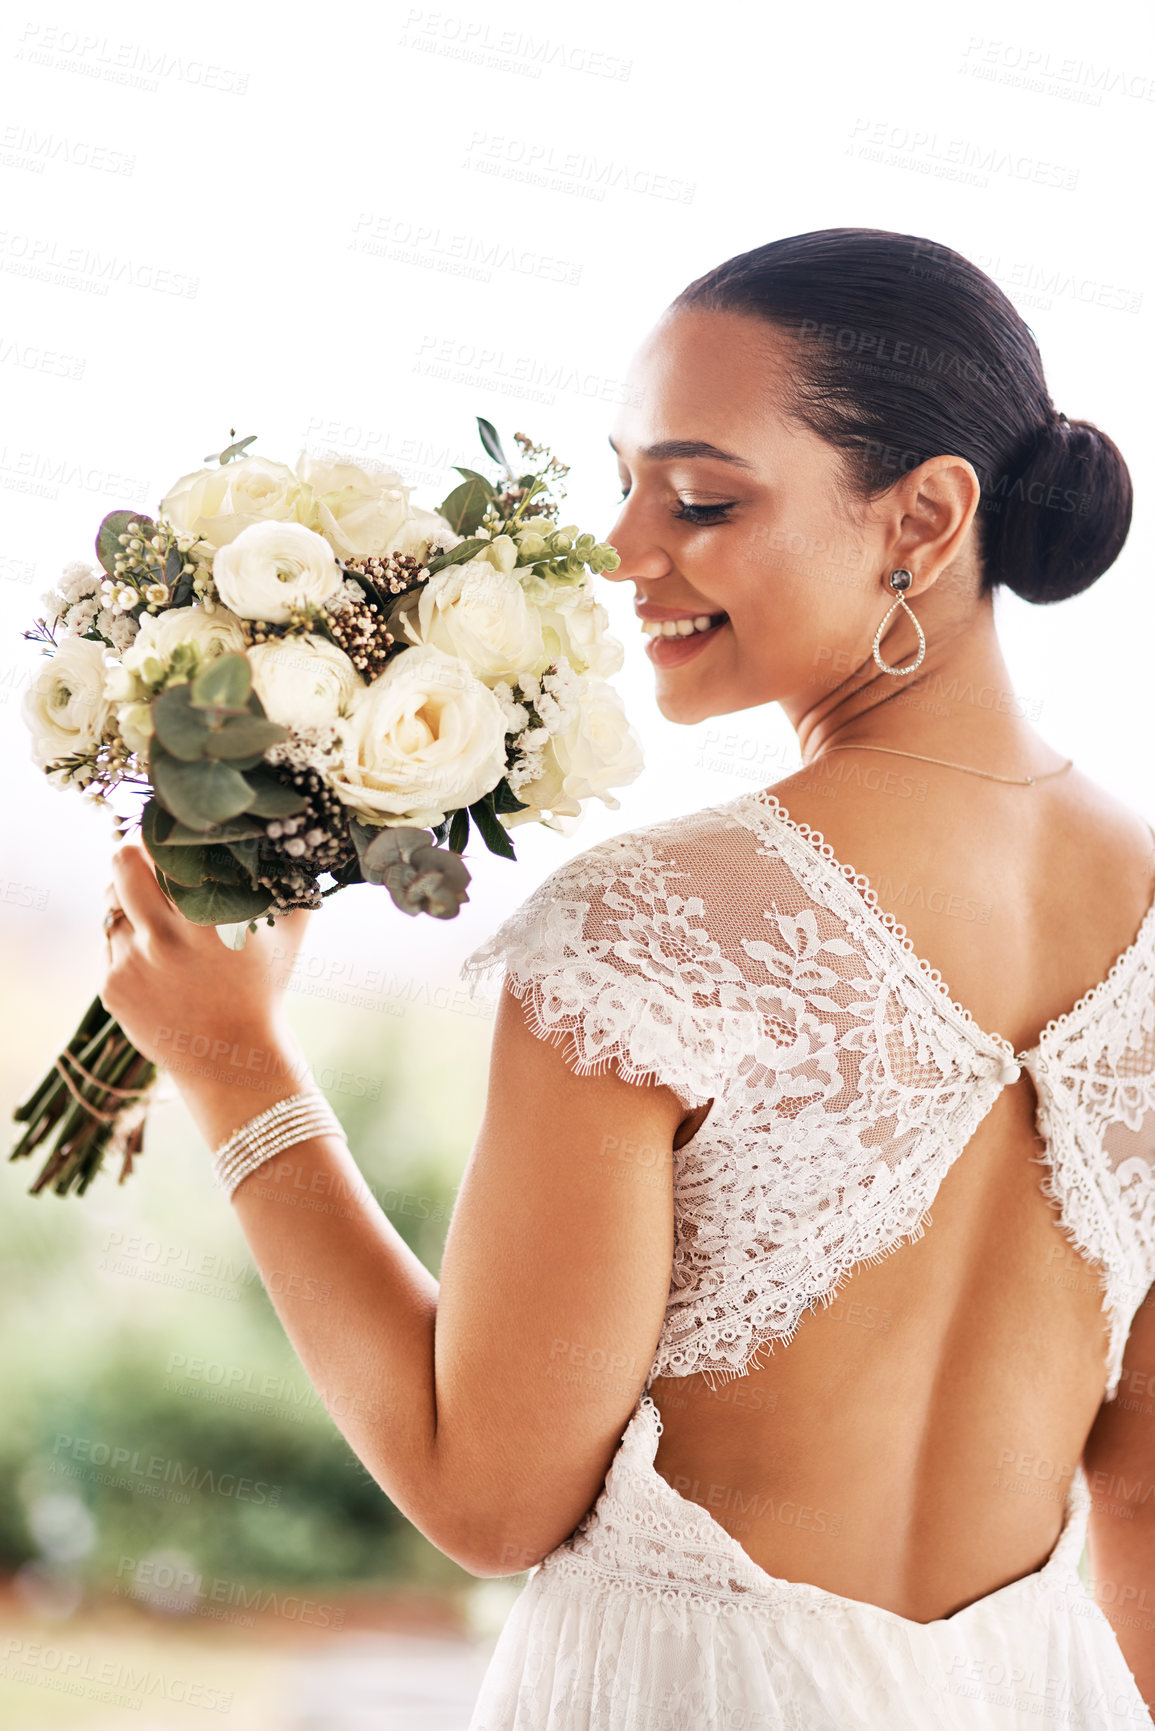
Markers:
<point>686,626</point>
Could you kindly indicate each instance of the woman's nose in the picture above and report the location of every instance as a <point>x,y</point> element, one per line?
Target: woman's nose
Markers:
<point>641,560</point>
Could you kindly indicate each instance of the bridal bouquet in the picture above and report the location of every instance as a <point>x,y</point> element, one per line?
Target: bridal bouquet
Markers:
<point>309,682</point>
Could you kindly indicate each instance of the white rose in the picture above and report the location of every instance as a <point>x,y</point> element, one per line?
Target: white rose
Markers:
<point>357,512</point>
<point>217,504</point>
<point>420,741</point>
<point>303,681</point>
<point>420,531</point>
<point>65,707</point>
<point>272,567</point>
<point>575,624</point>
<point>481,614</point>
<point>599,749</point>
<point>543,794</point>
<point>204,634</point>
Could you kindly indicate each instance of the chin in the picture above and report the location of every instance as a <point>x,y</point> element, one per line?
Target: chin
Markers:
<point>687,705</point>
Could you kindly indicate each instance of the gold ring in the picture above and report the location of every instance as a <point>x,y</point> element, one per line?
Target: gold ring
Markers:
<point>110,919</point>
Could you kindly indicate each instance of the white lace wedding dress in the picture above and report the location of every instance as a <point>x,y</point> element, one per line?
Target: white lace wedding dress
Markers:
<point>729,955</point>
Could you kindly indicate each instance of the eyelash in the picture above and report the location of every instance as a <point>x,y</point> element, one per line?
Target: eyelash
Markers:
<point>701,515</point>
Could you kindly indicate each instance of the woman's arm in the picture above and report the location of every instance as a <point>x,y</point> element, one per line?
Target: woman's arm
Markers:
<point>487,1409</point>
<point>1119,1460</point>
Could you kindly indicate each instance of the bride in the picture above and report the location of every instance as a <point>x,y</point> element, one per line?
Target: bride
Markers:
<point>808,1241</point>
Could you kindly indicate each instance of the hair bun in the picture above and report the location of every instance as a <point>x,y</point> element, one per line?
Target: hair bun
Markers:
<point>1058,518</point>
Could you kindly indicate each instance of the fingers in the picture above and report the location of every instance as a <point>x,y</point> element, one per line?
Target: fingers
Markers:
<point>136,890</point>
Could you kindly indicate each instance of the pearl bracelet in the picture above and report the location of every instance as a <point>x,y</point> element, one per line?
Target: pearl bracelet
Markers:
<point>296,1119</point>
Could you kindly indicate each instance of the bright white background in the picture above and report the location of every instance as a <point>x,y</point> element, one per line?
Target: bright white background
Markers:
<point>253,163</point>
<point>279,221</point>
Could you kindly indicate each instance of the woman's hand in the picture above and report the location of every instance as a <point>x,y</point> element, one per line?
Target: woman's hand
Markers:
<point>212,1017</point>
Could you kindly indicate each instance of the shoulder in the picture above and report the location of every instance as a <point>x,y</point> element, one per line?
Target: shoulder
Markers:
<point>654,870</point>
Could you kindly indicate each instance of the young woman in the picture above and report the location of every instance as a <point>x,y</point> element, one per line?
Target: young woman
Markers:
<point>808,1241</point>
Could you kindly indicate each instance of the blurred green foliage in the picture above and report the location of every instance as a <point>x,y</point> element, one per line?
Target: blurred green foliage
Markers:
<point>108,1296</point>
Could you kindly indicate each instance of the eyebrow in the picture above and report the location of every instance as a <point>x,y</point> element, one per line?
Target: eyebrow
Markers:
<point>669,450</point>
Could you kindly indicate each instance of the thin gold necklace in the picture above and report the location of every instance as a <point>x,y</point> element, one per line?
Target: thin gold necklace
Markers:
<point>968,769</point>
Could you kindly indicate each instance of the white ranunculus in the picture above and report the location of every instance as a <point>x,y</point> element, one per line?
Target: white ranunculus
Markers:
<point>134,722</point>
<point>420,741</point>
<point>303,681</point>
<point>357,512</point>
<point>205,634</point>
<point>216,504</point>
<point>420,531</point>
<point>599,749</point>
<point>481,614</point>
<point>272,567</point>
<point>65,707</point>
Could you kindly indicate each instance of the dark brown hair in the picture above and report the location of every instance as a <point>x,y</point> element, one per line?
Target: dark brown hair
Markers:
<point>905,351</point>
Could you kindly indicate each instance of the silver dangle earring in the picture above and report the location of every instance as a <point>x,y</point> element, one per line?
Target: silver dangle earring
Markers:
<point>900,580</point>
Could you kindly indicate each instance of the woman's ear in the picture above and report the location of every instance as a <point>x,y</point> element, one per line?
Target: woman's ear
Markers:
<point>932,509</point>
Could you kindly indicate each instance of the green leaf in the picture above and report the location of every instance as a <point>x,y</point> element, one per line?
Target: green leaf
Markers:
<point>157,826</point>
<point>472,475</point>
<point>492,833</point>
<point>222,867</point>
<point>492,443</point>
<point>223,683</point>
<point>231,451</point>
<point>244,736</point>
<point>237,829</point>
<point>108,547</point>
<point>468,549</point>
<point>273,798</point>
<point>200,794</point>
<point>182,865</point>
<point>217,904</point>
<point>504,798</point>
<point>182,730</point>
<point>465,506</point>
<point>459,830</point>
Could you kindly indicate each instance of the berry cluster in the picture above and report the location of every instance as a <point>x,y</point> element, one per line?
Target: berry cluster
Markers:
<point>301,847</point>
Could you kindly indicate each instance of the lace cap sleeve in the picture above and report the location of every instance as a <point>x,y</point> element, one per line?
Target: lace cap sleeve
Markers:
<point>611,961</point>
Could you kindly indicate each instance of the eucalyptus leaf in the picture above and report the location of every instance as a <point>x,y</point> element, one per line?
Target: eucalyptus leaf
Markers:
<point>200,794</point>
<point>223,683</point>
<point>244,736</point>
<point>492,833</point>
<point>222,867</point>
<point>182,730</point>
<point>182,865</point>
<point>108,547</point>
<point>465,506</point>
<point>492,443</point>
<point>238,829</point>
<point>157,826</point>
<point>216,904</point>
<point>273,798</point>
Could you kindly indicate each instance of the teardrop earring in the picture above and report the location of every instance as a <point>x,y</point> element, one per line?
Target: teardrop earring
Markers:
<point>899,580</point>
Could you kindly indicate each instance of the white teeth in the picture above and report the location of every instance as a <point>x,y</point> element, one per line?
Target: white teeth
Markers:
<point>677,627</point>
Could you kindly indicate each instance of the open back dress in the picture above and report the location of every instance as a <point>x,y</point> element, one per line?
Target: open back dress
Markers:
<point>845,1083</point>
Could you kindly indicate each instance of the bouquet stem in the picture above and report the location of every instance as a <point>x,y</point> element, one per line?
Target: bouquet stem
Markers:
<point>91,1104</point>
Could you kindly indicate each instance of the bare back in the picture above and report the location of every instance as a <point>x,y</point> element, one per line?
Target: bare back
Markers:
<point>912,1444</point>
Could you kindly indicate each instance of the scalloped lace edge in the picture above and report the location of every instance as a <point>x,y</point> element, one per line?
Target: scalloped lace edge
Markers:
<point>862,885</point>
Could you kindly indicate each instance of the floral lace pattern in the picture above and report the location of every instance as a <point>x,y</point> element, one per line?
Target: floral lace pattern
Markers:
<point>729,955</point>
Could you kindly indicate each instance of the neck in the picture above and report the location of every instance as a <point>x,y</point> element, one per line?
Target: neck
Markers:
<point>959,705</point>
